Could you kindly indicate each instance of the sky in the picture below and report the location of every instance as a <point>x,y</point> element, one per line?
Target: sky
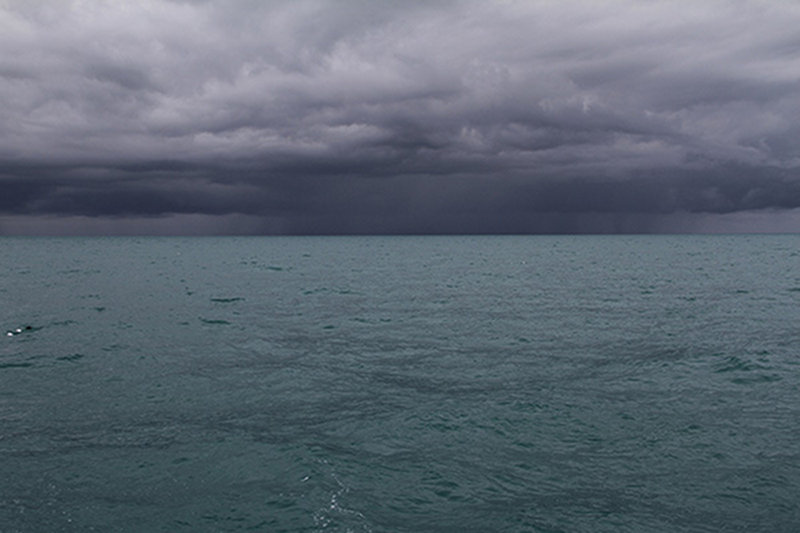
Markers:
<point>382,117</point>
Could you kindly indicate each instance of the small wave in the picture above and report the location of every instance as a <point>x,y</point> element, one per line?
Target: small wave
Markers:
<point>335,515</point>
<point>734,364</point>
<point>746,372</point>
<point>214,321</point>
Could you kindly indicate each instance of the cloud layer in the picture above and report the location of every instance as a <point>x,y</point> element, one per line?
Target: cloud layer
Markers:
<point>358,117</point>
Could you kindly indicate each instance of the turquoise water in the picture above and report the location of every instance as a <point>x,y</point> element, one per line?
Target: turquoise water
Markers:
<point>400,384</point>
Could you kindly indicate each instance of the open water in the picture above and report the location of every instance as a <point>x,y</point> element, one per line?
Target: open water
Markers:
<point>400,384</point>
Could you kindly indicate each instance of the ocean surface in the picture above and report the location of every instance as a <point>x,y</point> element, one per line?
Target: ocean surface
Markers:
<point>400,384</point>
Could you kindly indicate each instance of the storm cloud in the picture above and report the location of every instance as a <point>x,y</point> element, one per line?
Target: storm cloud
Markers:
<point>296,117</point>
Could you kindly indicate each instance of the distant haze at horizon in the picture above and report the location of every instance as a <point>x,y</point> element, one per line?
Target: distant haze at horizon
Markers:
<point>167,117</point>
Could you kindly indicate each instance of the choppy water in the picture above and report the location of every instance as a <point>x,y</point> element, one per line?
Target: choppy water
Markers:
<point>400,384</point>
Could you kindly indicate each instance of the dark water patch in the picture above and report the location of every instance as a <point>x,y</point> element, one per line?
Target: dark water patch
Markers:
<point>71,272</point>
<point>327,290</point>
<point>71,357</point>
<point>100,308</point>
<point>370,320</point>
<point>227,300</point>
<point>17,365</point>
<point>318,290</point>
<point>794,289</point>
<point>89,297</point>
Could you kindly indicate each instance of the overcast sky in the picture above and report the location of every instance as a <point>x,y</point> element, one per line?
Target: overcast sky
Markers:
<point>228,116</point>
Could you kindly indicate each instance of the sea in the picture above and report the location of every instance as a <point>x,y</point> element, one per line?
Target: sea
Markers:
<point>400,384</point>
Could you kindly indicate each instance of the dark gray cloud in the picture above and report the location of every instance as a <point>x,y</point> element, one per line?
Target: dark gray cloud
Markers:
<point>358,117</point>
